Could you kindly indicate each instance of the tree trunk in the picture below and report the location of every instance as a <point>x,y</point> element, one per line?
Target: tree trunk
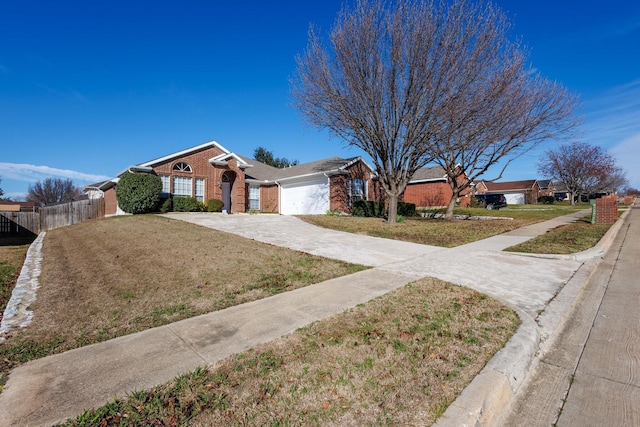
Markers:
<point>451,205</point>
<point>573,199</point>
<point>393,208</point>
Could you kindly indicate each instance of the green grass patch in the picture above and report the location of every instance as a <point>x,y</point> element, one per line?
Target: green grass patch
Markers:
<point>416,347</point>
<point>566,239</point>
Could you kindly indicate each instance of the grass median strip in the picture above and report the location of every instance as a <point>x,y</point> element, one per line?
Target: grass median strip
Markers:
<point>104,279</point>
<point>409,352</point>
<point>566,239</point>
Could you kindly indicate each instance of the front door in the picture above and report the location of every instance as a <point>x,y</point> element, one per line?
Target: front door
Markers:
<point>226,196</point>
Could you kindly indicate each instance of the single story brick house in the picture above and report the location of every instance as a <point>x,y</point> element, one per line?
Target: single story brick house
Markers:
<point>210,171</point>
<point>516,192</point>
<point>547,188</point>
<point>429,187</point>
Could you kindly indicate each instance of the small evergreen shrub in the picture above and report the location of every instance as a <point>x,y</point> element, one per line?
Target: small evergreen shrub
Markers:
<point>406,209</point>
<point>368,208</point>
<point>167,206</point>
<point>215,205</point>
<point>138,192</point>
<point>185,204</point>
<point>547,200</point>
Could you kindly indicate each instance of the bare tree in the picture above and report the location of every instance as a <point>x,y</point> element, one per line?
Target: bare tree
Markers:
<point>616,181</point>
<point>53,191</point>
<point>496,107</point>
<point>375,87</point>
<point>425,81</point>
<point>583,168</point>
<point>1,192</point>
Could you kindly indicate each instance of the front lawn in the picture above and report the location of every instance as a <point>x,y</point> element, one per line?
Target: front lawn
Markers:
<point>441,232</point>
<point>400,359</point>
<point>107,278</point>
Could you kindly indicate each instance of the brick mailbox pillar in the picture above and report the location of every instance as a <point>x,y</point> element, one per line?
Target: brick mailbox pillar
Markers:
<point>606,209</point>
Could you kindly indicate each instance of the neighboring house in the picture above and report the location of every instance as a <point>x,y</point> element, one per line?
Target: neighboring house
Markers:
<point>210,171</point>
<point>429,187</point>
<point>546,188</point>
<point>516,192</point>
<point>561,192</point>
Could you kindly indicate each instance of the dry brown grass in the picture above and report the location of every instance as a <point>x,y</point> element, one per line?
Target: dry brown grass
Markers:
<point>104,279</point>
<point>441,232</point>
<point>400,359</point>
<point>426,231</point>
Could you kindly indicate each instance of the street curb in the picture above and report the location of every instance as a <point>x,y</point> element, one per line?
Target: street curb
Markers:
<point>489,398</point>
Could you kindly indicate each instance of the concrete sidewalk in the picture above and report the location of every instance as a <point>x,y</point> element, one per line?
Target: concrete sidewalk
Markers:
<point>66,384</point>
<point>590,374</point>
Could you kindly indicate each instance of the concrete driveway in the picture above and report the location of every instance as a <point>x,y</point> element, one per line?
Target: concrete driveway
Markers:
<point>523,282</point>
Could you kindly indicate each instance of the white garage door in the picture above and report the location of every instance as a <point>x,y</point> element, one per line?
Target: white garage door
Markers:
<point>305,198</point>
<point>514,198</point>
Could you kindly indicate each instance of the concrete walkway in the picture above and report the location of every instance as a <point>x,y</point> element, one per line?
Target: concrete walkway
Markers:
<point>590,374</point>
<point>66,384</point>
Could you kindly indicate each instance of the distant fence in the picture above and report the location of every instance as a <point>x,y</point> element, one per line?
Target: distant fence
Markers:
<point>50,217</point>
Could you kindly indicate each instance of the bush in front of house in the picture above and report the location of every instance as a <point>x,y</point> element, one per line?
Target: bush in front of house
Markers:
<point>167,205</point>
<point>546,200</point>
<point>138,193</point>
<point>215,205</point>
<point>185,204</point>
<point>406,209</point>
<point>368,208</point>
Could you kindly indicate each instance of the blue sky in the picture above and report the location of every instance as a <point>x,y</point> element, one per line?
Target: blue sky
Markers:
<point>89,88</point>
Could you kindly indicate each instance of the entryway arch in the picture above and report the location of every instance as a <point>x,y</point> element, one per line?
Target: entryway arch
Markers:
<point>228,178</point>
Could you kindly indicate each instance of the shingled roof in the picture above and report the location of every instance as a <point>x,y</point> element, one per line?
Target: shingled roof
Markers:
<point>510,185</point>
<point>332,165</point>
<point>434,173</point>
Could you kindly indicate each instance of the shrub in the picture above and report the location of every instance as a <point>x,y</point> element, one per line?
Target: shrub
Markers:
<point>368,208</point>
<point>215,205</point>
<point>138,192</point>
<point>167,206</point>
<point>406,209</point>
<point>547,200</point>
<point>185,204</point>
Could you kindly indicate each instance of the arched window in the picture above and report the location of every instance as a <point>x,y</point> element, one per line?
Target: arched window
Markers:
<point>182,167</point>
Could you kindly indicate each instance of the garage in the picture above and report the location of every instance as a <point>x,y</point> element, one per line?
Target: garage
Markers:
<point>515,198</point>
<point>309,197</point>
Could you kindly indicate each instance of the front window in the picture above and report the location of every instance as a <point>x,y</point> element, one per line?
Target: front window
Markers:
<point>166,190</point>
<point>200,189</point>
<point>356,190</point>
<point>182,186</point>
<point>254,197</point>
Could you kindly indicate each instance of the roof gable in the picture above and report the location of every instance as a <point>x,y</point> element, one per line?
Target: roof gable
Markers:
<point>184,153</point>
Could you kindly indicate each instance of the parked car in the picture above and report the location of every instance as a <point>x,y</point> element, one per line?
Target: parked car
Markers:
<point>491,201</point>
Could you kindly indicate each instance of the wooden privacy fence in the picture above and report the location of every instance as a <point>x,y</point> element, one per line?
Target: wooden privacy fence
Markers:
<point>50,217</point>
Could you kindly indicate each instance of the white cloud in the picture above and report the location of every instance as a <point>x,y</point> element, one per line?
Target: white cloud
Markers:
<point>33,173</point>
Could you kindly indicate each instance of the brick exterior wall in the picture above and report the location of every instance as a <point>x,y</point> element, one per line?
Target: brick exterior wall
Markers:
<point>212,174</point>
<point>606,209</point>
<point>433,194</point>
<point>427,194</point>
<point>338,193</point>
<point>268,198</point>
<point>110,202</point>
